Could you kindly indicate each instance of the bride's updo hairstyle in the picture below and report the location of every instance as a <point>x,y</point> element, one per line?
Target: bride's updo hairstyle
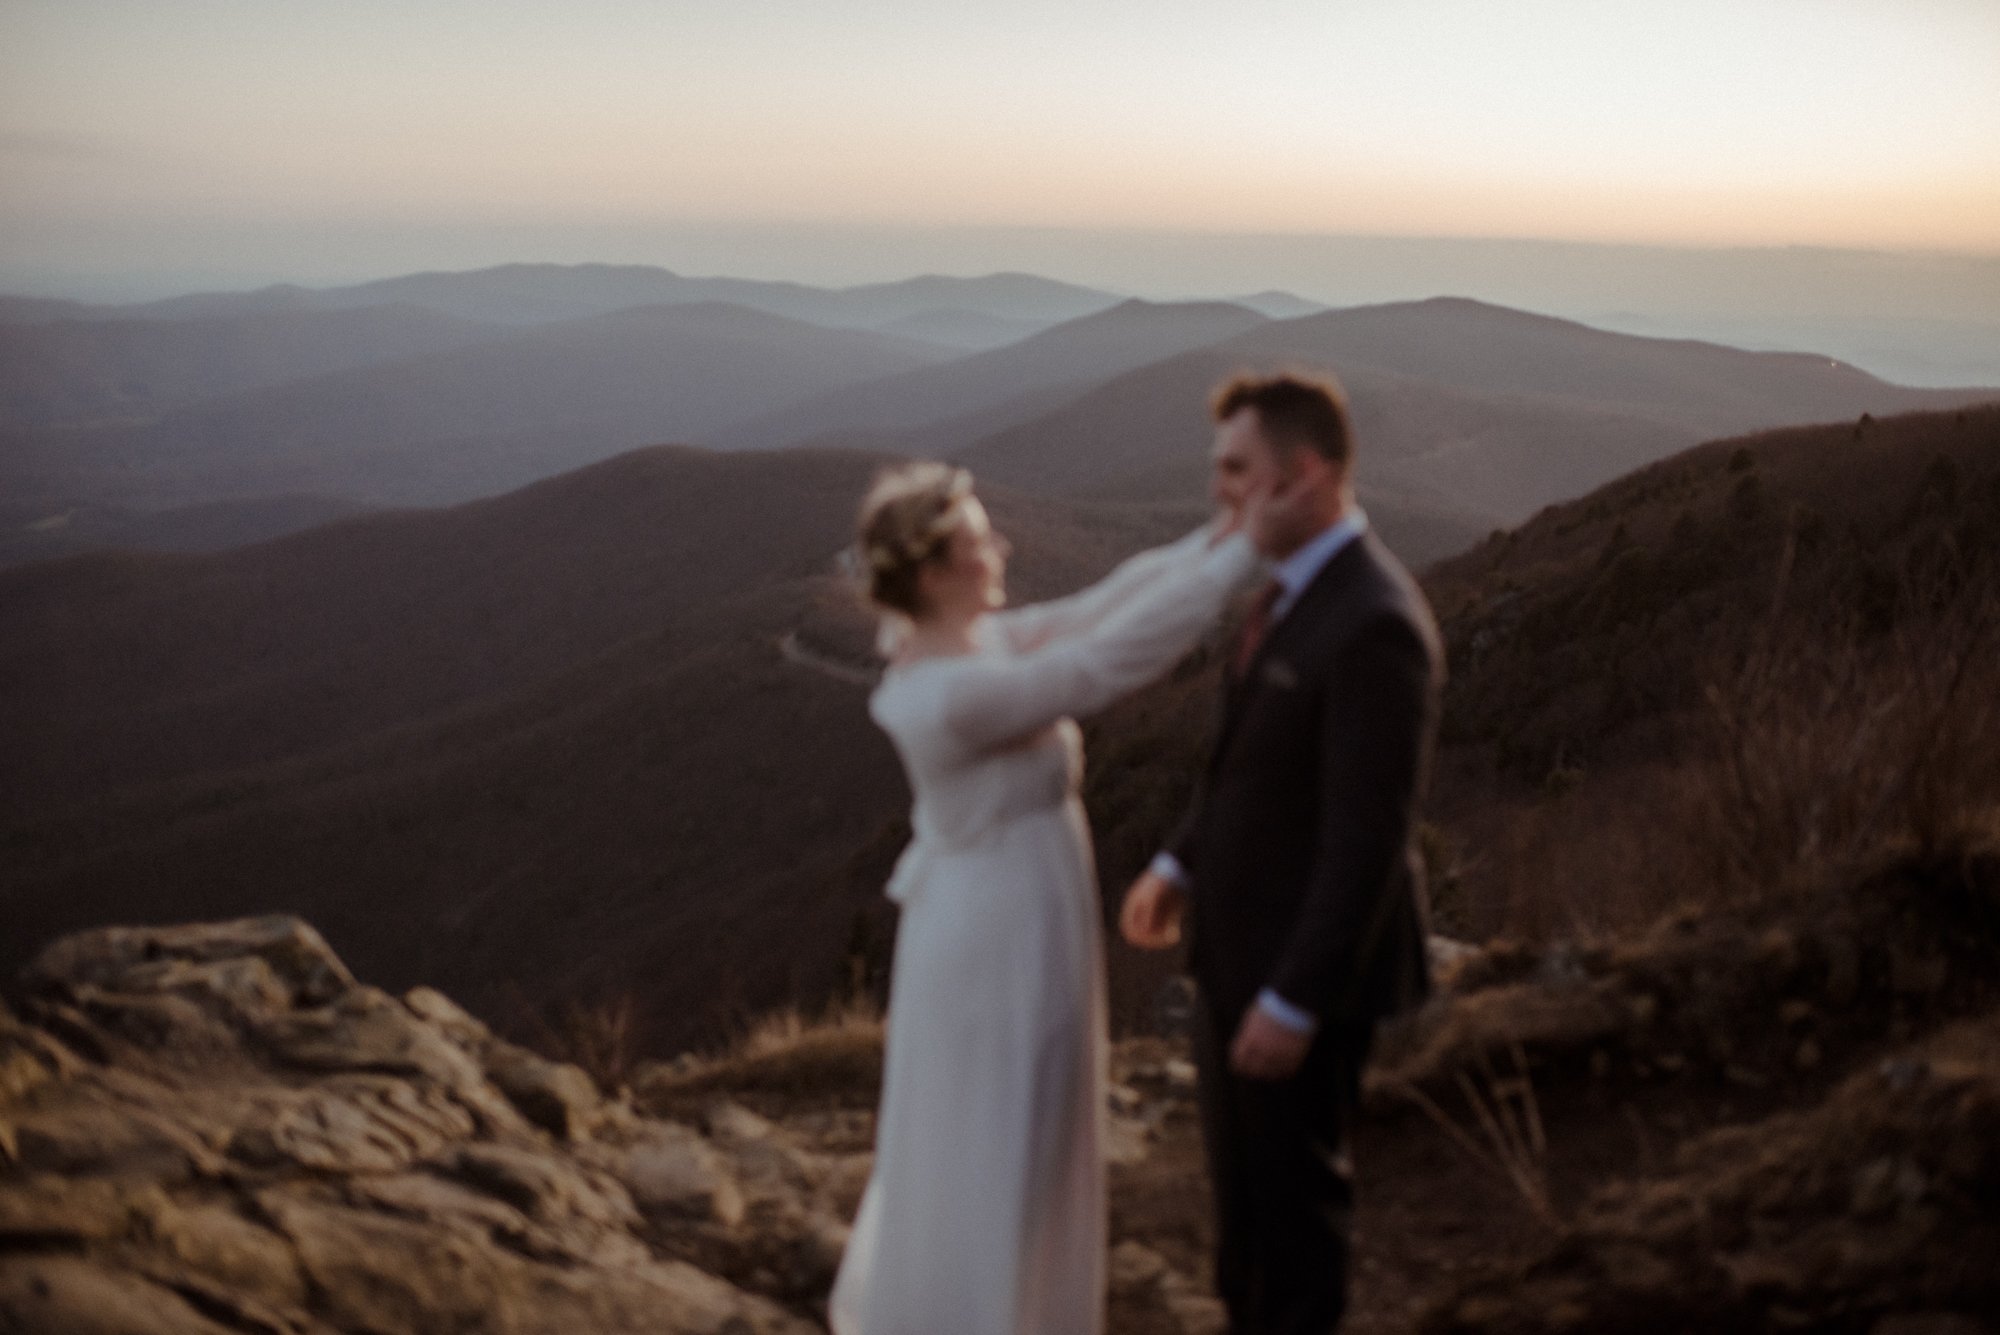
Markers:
<point>907,520</point>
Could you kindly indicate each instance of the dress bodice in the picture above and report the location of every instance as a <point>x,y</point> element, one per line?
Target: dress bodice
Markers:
<point>962,792</point>
<point>985,738</point>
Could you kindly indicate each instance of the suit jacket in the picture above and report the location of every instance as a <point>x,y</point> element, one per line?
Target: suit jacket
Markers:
<point>1299,846</point>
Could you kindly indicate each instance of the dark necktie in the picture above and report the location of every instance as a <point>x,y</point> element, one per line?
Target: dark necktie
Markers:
<point>1255,625</point>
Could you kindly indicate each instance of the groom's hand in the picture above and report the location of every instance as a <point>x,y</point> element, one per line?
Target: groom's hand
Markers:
<point>1265,1049</point>
<point>1151,917</point>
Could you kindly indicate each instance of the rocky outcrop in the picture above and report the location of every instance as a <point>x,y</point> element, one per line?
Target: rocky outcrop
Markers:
<point>216,1129</point>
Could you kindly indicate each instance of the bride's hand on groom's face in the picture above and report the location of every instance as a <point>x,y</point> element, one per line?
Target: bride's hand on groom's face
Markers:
<point>1278,516</point>
<point>1246,515</point>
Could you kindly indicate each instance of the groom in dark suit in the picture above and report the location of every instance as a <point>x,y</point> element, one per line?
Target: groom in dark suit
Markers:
<point>1296,864</point>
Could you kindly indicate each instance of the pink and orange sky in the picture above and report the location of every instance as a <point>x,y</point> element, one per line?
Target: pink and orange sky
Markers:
<point>323,141</point>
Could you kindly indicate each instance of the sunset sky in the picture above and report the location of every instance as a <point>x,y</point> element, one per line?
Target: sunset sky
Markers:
<point>253,140</point>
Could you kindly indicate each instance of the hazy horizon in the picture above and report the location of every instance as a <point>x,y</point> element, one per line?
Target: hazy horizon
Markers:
<point>239,141</point>
<point>1912,317</point>
<point>1763,171</point>
<point>1155,264</point>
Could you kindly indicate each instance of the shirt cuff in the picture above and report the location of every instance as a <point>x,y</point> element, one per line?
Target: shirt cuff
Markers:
<point>1285,1013</point>
<point>1169,869</point>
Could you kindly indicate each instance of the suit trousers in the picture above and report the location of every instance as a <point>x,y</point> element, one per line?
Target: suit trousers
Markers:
<point>1278,1164</point>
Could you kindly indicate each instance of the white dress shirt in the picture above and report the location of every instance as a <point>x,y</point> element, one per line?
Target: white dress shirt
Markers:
<point>1293,575</point>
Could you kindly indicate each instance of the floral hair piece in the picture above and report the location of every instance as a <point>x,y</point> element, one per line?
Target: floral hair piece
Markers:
<point>884,557</point>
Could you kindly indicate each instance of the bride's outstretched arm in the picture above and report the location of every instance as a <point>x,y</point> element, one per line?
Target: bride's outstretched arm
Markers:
<point>1038,624</point>
<point>995,700</point>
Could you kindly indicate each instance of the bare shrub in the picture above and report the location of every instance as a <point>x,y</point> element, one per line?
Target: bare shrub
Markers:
<point>605,1038</point>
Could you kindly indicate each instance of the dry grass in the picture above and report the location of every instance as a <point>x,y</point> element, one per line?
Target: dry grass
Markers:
<point>785,1031</point>
<point>1827,747</point>
<point>1608,854</point>
<point>1510,1139</point>
<point>1663,695</point>
<point>604,1039</point>
<point>605,1035</point>
<point>785,1061</point>
<point>1821,750</point>
<point>1841,731</point>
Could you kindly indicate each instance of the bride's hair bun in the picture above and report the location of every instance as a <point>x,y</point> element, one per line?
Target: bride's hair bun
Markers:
<point>906,519</point>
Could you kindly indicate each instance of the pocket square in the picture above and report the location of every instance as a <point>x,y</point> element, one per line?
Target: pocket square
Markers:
<point>1280,674</point>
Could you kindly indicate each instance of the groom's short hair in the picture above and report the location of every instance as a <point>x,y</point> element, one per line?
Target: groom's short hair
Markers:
<point>1294,409</point>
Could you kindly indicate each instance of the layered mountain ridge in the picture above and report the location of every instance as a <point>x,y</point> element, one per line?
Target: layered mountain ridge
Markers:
<point>588,723</point>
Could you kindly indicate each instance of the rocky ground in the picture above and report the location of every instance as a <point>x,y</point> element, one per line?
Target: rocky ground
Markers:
<point>216,1129</point>
<point>1782,1117</point>
<point>1785,1117</point>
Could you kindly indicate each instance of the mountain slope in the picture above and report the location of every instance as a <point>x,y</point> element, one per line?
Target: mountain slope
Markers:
<point>1473,414</point>
<point>1484,411</point>
<point>1146,434</point>
<point>539,293</point>
<point>1576,634</point>
<point>78,371</point>
<point>31,534</point>
<point>476,420</point>
<point>555,744</point>
<point>163,665</point>
<point>1492,350</point>
<point>933,410</point>
<point>956,327</point>
<point>525,746</point>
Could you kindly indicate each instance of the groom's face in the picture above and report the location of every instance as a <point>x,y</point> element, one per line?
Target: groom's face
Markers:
<point>1304,492</point>
<point>1244,461</point>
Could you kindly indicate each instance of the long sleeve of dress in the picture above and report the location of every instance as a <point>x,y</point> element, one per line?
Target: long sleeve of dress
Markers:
<point>1031,627</point>
<point>995,700</point>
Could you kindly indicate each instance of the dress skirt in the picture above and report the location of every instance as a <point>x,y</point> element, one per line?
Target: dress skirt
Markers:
<point>985,1213</point>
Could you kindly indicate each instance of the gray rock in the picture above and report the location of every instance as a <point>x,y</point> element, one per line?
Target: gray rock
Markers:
<point>251,1141</point>
<point>211,1241</point>
<point>385,1273</point>
<point>734,1124</point>
<point>29,1058</point>
<point>673,1171</point>
<point>47,1210</point>
<point>297,956</point>
<point>103,1140</point>
<point>47,1294</point>
<point>555,1096</point>
<point>448,1017</point>
<point>546,1186</point>
<point>353,1124</point>
<point>367,1030</point>
<point>130,1027</point>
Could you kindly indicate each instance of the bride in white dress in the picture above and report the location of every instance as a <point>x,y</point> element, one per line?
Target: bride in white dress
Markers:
<point>985,1213</point>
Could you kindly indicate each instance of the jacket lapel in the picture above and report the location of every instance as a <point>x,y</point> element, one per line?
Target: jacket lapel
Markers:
<point>1312,606</point>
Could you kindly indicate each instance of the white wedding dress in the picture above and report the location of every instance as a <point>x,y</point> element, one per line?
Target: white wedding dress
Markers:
<point>985,1214</point>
